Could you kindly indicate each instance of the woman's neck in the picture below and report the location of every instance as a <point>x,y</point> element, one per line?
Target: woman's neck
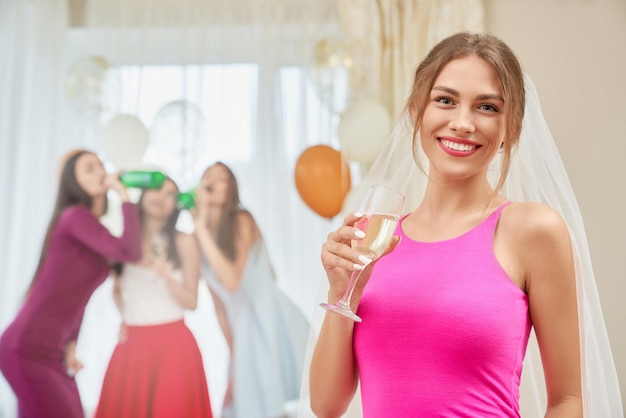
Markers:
<point>450,209</point>
<point>446,199</point>
<point>152,227</point>
<point>98,205</point>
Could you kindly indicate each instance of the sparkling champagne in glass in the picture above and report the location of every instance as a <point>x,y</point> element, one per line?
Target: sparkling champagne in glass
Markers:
<point>381,211</point>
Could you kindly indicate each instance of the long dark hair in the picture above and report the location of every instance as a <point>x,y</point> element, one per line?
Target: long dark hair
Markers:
<point>228,229</point>
<point>70,193</point>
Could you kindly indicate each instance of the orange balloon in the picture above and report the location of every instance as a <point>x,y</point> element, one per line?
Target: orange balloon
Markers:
<point>322,179</point>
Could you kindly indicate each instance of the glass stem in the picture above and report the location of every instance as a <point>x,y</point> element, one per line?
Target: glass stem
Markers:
<point>347,295</point>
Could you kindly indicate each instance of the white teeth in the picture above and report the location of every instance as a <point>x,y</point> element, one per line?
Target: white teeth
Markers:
<point>456,146</point>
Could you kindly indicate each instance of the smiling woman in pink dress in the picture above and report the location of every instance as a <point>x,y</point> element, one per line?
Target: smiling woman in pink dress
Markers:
<point>448,311</point>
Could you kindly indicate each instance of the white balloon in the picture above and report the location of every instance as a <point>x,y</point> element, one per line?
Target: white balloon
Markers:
<point>124,140</point>
<point>338,70</point>
<point>178,136</point>
<point>362,130</point>
<point>92,86</point>
<point>179,129</point>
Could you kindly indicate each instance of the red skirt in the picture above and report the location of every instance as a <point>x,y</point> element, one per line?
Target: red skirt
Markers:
<point>156,373</point>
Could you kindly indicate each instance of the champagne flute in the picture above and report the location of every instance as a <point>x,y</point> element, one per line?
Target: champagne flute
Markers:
<point>381,211</point>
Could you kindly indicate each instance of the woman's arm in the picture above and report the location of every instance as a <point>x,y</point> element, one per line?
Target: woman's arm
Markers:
<point>220,311</point>
<point>548,263</point>
<point>229,272</point>
<point>82,225</point>
<point>119,303</point>
<point>334,374</point>
<point>117,293</point>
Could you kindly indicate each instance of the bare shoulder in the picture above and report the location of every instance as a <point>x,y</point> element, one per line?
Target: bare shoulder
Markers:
<point>247,225</point>
<point>535,245</point>
<point>245,218</point>
<point>534,225</point>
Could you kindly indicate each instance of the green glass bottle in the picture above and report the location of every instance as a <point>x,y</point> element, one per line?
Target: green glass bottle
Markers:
<point>143,179</point>
<point>186,200</point>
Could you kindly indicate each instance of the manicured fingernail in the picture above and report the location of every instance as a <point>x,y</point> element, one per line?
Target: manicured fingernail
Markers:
<point>359,234</point>
<point>358,266</point>
<point>358,214</point>
<point>365,260</point>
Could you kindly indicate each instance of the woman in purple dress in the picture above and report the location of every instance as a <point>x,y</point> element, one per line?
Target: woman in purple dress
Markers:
<point>37,350</point>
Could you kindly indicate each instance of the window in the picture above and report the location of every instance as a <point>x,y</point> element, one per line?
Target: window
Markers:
<point>195,114</point>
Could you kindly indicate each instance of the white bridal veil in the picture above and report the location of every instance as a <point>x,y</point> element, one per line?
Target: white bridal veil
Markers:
<point>536,174</point>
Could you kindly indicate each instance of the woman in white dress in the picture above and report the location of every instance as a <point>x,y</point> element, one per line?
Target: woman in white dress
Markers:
<point>266,333</point>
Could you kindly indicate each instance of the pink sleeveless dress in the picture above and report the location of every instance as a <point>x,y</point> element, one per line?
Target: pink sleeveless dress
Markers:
<point>444,330</point>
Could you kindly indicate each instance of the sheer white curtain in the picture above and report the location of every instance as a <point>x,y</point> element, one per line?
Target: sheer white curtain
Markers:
<point>37,125</point>
<point>201,45</point>
<point>32,53</point>
<point>400,33</point>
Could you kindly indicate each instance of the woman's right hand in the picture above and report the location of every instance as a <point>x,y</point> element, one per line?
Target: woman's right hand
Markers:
<point>72,364</point>
<point>123,334</point>
<point>112,181</point>
<point>340,259</point>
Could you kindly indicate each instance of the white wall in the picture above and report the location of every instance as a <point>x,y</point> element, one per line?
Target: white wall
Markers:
<point>575,51</point>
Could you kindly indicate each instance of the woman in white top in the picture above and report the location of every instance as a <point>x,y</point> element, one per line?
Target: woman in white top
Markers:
<point>156,369</point>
